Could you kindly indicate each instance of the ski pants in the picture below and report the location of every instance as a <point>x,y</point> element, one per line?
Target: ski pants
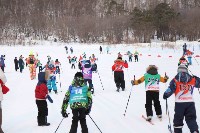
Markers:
<point>188,111</point>
<point>130,59</point>
<point>2,68</point>
<point>152,96</point>
<point>42,108</point>
<point>119,79</point>
<point>190,60</point>
<point>51,83</point>
<point>32,70</point>
<point>79,114</point>
<point>89,82</point>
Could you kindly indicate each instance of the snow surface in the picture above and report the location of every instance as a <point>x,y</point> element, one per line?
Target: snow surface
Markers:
<point>20,110</point>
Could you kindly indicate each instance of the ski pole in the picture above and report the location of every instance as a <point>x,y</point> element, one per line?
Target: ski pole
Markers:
<point>100,80</point>
<point>59,124</point>
<point>95,123</point>
<point>128,99</point>
<point>196,60</point>
<point>169,125</point>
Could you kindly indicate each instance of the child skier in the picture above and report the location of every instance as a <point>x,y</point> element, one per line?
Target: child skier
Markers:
<point>41,93</point>
<point>73,61</point>
<point>32,62</point>
<point>152,80</point>
<point>58,66</point>
<point>136,54</point>
<point>86,68</point>
<point>51,83</point>
<point>189,56</point>
<point>118,67</point>
<point>182,85</point>
<point>80,100</point>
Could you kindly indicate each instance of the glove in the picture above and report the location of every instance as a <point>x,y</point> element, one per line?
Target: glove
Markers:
<point>164,96</point>
<point>132,82</point>
<point>64,114</point>
<point>166,77</point>
<point>49,98</point>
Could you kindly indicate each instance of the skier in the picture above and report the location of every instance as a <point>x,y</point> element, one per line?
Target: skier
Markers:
<point>2,63</point>
<point>100,49</point>
<point>16,62</point>
<point>80,100</point>
<point>107,49</point>
<point>189,56</point>
<point>32,62</point>
<point>86,68</point>
<point>41,93</point>
<point>71,50</point>
<point>118,67</point>
<point>136,54</point>
<point>183,61</point>
<point>66,48</point>
<point>21,63</point>
<point>51,83</point>
<point>152,80</point>
<point>73,61</point>
<point>130,55</point>
<point>58,66</point>
<point>69,58</point>
<point>182,85</point>
<point>39,64</point>
<point>184,48</point>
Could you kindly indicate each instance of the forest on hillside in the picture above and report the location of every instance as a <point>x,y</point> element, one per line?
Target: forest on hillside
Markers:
<point>99,21</point>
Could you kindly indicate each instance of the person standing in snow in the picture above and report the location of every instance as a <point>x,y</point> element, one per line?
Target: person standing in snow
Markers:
<point>182,85</point>
<point>58,66</point>
<point>136,54</point>
<point>73,61</point>
<point>66,48</point>
<point>2,63</point>
<point>21,63</point>
<point>51,83</point>
<point>118,67</point>
<point>4,80</point>
<point>100,49</point>
<point>80,99</point>
<point>16,62</point>
<point>41,94</point>
<point>184,48</point>
<point>71,50</point>
<point>152,80</point>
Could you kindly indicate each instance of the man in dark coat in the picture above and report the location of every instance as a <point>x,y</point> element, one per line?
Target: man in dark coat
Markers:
<point>21,63</point>
<point>16,64</point>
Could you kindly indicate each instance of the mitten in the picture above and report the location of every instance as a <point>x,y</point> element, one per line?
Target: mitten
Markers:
<point>64,113</point>
<point>88,110</point>
<point>49,98</point>
<point>164,96</point>
<point>132,82</point>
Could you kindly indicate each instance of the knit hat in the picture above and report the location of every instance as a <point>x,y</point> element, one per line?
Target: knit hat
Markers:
<point>78,74</point>
<point>182,68</point>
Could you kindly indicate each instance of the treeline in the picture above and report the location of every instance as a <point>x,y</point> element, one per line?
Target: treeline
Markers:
<point>90,21</point>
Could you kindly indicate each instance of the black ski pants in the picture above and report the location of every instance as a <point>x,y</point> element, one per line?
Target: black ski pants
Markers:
<point>79,114</point>
<point>119,79</point>
<point>152,96</point>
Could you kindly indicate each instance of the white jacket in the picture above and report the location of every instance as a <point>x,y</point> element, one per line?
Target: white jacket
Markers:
<point>3,78</point>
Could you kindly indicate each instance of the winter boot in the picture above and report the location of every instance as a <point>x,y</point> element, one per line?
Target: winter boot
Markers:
<point>159,117</point>
<point>55,91</point>
<point>177,130</point>
<point>118,89</point>
<point>39,120</point>
<point>123,89</point>
<point>46,123</point>
<point>149,118</point>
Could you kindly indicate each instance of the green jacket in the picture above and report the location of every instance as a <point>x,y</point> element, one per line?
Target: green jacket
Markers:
<point>77,97</point>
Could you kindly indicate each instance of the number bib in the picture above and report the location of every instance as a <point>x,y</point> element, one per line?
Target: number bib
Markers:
<point>78,94</point>
<point>152,82</point>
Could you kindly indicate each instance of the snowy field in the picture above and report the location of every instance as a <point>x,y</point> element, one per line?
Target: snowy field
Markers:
<point>20,110</point>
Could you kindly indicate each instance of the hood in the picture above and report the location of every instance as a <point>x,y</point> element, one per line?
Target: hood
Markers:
<point>152,69</point>
<point>183,77</point>
<point>43,77</point>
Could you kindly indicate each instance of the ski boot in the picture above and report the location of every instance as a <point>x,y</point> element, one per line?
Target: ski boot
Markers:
<point>149,118</point>
<point>159,117</point>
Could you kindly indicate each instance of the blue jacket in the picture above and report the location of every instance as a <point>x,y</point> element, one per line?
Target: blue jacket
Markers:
<point>182,77</point>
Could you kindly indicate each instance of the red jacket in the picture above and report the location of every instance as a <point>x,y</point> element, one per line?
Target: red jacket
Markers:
<point>119,65</point>
<point>41,91</point>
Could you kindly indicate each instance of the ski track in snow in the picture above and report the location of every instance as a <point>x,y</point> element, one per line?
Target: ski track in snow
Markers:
<point>20,110</point>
